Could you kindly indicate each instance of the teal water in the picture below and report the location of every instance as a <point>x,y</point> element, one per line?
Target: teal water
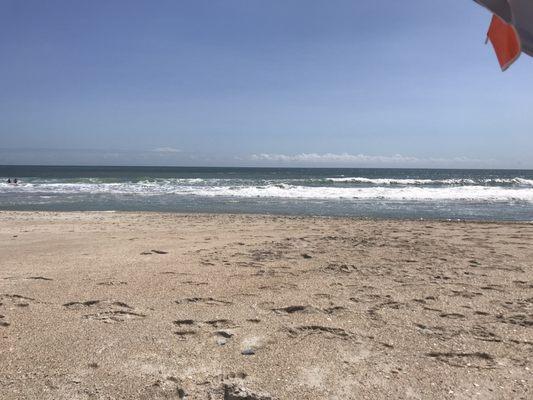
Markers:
<point>376,193</point>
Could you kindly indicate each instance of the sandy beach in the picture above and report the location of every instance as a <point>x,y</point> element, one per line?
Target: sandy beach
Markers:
<point>98,305</point>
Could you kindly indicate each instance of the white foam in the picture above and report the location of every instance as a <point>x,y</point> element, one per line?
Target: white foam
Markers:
<point>279,190</point>
<point>523,181</point>
<point>451,181</point>
<point>470,193</point>
<point>382,181</point>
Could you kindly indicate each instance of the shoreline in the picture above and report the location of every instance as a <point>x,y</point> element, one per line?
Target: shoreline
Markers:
<point>289,216</point>
<point>146,305</point>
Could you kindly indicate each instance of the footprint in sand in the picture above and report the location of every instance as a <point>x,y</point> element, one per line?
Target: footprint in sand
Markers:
<point>17,299</point>
<point>294,309</point>
<point>326,331</point>
<point>3,323</point>
<point>203,300</point>
<point>516,319</point>
<point>39,278</point>
<point>231,387</point>
<point>194,283</point>
<point>147,253</point>
<point>105,310</point>
<point>334,310</point>
<point>159,252</point>
<point>222,329</point>
<point>452,315</point>
<point>306,309</point>
<point>439,332</point>
<point>221,323</point>
<point>479,332</point>
<point>235,392</point>
<point>339,268</point>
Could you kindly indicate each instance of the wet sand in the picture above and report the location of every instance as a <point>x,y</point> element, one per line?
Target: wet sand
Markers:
<point>172,306</point>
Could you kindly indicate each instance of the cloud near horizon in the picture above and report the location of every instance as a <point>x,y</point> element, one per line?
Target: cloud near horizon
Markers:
<point>360,159</point>
<point>169,156</point>
<point>166,150</point>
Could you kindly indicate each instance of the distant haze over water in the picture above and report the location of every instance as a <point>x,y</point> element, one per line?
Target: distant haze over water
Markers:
<point>376,193</point>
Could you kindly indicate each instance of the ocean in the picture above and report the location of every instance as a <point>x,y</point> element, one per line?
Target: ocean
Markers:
<point>486,195</point>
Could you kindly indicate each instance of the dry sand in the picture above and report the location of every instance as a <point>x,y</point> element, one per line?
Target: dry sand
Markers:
<point>170,306</point>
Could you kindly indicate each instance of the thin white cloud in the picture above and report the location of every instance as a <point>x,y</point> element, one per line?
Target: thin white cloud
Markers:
<point>331,158</point>
<point>171,156</point>
<point>166,150</point>
<point>357,159</point>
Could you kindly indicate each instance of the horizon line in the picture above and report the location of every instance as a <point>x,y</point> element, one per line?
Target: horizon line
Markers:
<point>250,167</point>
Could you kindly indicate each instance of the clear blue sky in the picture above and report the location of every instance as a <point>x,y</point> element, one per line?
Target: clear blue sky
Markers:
<point>254,82</point>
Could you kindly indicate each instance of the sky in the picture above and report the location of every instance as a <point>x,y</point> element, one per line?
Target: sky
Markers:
<point>378,83</point>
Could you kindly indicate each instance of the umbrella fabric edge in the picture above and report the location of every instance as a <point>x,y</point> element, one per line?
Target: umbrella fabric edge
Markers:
<point>505,41</point>
<point>511,29</point>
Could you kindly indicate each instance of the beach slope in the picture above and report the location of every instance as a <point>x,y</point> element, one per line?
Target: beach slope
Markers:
<point>99,305</point>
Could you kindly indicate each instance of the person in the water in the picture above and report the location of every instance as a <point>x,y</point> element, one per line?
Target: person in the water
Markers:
<point>8,180</point>
<point>15,181</point>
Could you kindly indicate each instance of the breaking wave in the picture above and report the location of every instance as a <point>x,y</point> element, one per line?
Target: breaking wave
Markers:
<point>428,182</point>
<point>509,190</point>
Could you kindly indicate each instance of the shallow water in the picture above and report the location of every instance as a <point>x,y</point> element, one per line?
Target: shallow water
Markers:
<point>378,193</point>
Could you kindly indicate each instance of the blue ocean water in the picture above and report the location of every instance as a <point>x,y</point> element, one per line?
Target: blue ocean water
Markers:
<point>375,193</point>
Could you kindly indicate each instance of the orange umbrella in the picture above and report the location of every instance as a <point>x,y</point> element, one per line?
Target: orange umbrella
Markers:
<point>511,29</point>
